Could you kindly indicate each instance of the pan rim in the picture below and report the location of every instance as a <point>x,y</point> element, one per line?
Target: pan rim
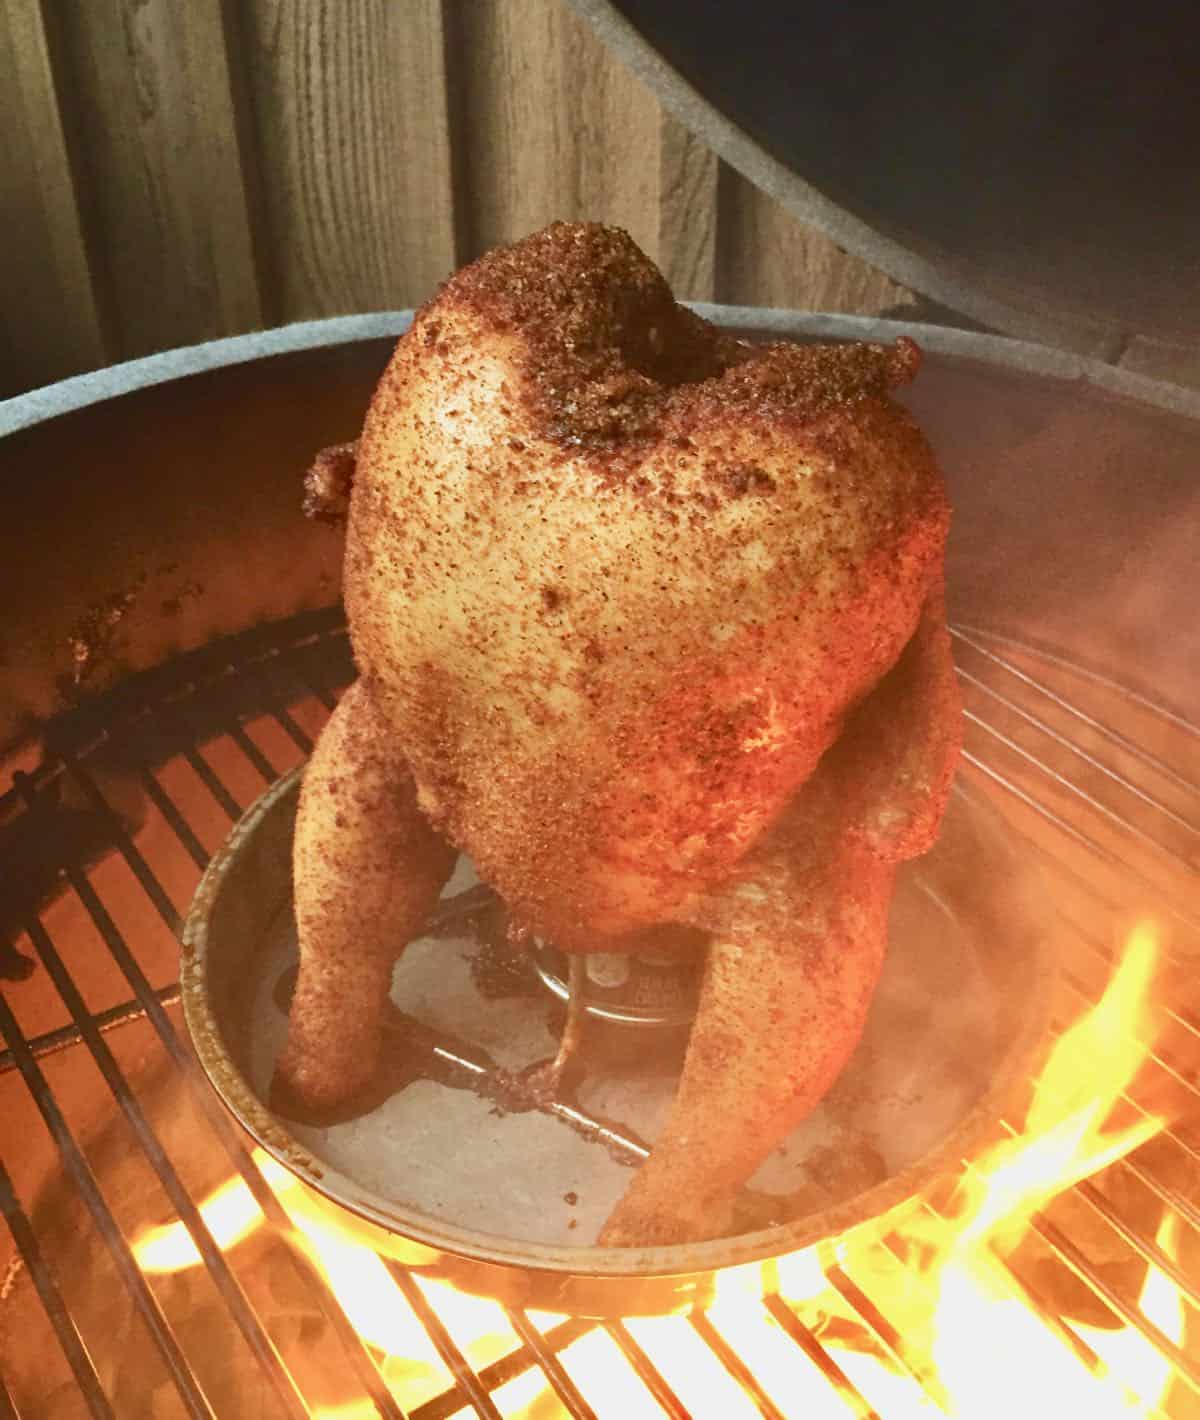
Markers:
<point>1017,1066</point>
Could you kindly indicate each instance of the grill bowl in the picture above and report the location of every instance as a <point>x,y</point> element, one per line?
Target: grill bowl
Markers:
<point>1072,588</point>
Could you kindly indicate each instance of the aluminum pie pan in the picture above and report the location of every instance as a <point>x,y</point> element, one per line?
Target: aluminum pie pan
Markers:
<point>447,1183</point>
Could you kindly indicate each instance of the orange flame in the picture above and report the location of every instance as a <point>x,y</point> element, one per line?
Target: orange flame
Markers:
<point>973,1339</point>
<point>992,1353</point>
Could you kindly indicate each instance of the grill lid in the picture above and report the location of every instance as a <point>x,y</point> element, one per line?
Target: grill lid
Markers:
<point>1030,165</point>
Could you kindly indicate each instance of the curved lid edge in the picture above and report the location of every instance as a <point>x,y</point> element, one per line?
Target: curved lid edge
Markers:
<point>95,387</point>
<point>939,278</point>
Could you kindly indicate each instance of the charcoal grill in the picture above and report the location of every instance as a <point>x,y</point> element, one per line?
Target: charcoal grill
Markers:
<point>1072,591</point>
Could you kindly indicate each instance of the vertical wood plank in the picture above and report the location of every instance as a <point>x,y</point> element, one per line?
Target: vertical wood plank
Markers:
<point>769,258</point>
<point>553,128</point>
<point>687,215</point>
<point>227,166</point>
<point>157,135</point>
<point>350,112</point>
<point>49,321</point>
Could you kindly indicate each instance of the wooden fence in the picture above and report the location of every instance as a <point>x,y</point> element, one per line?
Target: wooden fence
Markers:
<point>174,170</point>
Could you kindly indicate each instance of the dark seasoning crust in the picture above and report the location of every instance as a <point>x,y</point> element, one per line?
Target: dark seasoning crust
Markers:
<point>608,370</point>
<point>607,347</point>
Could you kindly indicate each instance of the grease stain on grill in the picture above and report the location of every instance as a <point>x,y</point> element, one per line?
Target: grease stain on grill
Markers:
<point>94,637</point>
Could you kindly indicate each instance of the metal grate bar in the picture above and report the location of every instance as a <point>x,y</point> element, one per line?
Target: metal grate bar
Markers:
<point>1145,1247</point>
<point>252,752</point>
<point>173,715</point>
<point>1184,864</point>
<point>734,1364</point>
<point>8,1411</point>
<point>178,825</point>
<point>302,741</point>
<point>1117,909</point>
<point>128,850</point>
<point>969,634</point>
<point>1031,1295</point>
<point>47,1289</point>
<point>460,1368</point>
<point>1105,954</point>
<point>1079,751</point>
<point>1088,997</point>
<point>52,1041</point>
<point>883,1329</point>
<point>1036,1300</point>
<point>1052,1235</point>
<point>1178,1012</point>
<point>261,1345</point>
<point>564,1386</point>
<point>500,1372</point>
<point>365,1368</point>
<point>1186,1209</point>
<point>1117,864</point>
<point>143,1299</point>
<point>821,1358</point>
<point>318,688</point>
<point>278,675</point>
<point>648,1372</point>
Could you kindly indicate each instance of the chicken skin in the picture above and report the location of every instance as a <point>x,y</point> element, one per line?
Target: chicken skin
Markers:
<point>648,622</point>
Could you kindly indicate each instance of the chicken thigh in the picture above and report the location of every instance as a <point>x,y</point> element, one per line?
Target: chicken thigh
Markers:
<point>648,621</point>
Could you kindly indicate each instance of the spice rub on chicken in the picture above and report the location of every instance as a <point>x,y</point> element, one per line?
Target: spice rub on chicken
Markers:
<point>649,622</point>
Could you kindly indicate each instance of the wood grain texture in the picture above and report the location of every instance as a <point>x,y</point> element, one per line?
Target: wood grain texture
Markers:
<point>769,258</point>
<point>687,211</point>
<point>552,126</point>
<point>159,153</point>
<point>185,170</point>
<point>350,117</point>
<point>49,321</point>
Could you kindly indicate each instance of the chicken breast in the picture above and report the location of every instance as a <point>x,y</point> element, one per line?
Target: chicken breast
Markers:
<point>616,583</point>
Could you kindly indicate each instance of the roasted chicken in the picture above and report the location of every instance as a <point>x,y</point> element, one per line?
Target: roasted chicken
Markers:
<point>649,622</point>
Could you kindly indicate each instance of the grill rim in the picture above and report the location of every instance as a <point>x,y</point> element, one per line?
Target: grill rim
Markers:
<point>25,411</point>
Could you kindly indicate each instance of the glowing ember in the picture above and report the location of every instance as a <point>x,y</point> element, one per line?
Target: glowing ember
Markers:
<point>958,1334</point>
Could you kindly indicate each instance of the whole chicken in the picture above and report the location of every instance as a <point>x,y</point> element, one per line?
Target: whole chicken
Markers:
<point>648,621</point>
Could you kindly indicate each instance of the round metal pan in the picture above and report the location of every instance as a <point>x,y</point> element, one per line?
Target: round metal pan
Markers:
<point>472,1184</point>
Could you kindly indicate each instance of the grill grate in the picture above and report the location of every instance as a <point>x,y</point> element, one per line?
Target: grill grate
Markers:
<point>137,789</point>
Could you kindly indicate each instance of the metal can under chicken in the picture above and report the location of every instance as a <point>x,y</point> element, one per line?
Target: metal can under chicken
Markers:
<point>658,992</point>
<point>452,1162</point>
